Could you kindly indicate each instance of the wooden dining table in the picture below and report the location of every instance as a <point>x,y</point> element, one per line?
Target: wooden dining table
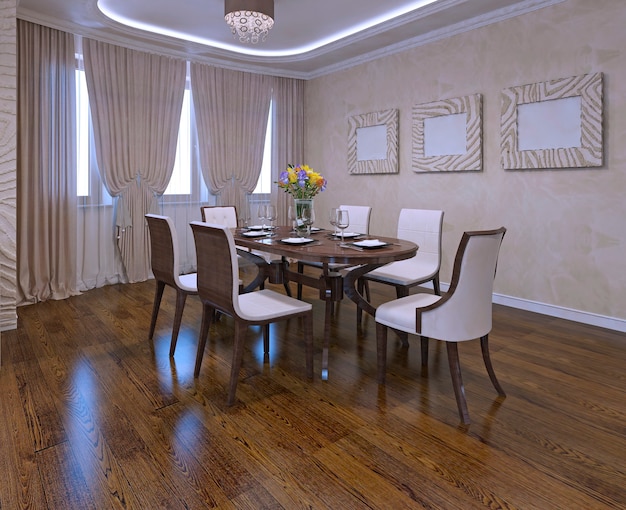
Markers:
<point>326,249</point>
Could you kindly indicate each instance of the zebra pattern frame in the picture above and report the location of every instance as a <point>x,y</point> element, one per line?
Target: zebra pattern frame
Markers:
<point>472,158</point>
<point>588,154</point>
<point>387,118</point>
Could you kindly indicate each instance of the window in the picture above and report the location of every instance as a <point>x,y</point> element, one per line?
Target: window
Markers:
<point>180,182</point>
<point>264,184</point>
<point>82,135</point>
<point>89,187</point>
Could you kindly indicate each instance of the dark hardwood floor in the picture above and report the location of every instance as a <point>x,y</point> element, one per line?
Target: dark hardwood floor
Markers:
<point>93,415</point>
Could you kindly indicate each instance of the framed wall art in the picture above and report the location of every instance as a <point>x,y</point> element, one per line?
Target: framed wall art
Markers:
<point>553,124</point>
<point>447,135</point>
<point>373,143</point>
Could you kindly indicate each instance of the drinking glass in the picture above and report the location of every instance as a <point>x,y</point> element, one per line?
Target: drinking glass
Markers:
<point>332,218</point>
<point>343,221</point>
<point>270,214</point>
<point>262,213</point>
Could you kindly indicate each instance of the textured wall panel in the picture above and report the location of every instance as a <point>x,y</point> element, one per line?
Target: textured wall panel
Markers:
<point>472,159</point>
<point>8,149</point>
<point>588,154</point>
<point>387,118</point>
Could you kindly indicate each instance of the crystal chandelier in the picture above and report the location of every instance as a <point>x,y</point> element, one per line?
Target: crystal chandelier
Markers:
<point>249,20</point>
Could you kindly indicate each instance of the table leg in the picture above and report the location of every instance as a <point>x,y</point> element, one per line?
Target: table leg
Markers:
<point>350,287</point>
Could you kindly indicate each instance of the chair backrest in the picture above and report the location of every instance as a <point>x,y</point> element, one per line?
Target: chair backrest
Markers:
<point>164,249</point>
<point>424,228</point>
<point>359,217</point>
<point>465,311</point>
<point>220,215</point>
<point>218,272</point>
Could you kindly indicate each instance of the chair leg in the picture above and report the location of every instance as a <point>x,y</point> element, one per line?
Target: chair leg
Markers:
<point>207,317</point>
<point>404,336</point>
<point>381,351</point>
<point>424,346</point>
<point>457,381</point>
<point>361,282</point>
<point>158,294</point>
<point>266,339</point>
<point>308,344</point>
<point>287,288</point>
<point>240,336</point>
<point>300,269</point>
<point>484,346</point>
<point>436,285</point>
<point>181,297</point>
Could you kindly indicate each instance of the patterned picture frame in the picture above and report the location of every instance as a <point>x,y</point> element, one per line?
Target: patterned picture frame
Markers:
<point>589,153</point>
<point>470,155</point>
<point>373,143</point>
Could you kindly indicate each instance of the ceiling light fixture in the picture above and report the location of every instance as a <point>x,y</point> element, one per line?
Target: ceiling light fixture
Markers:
<point>249,20</point>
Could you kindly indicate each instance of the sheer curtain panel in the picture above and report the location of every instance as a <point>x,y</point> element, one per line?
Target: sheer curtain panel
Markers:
<point>46,164</point>
<point>135,100</point>
<point>231,109</point>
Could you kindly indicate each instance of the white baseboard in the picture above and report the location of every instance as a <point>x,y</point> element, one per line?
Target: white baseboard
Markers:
<point>592,319</point>
<point>562,313</point>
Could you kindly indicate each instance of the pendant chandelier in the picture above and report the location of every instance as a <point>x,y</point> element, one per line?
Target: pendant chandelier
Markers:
<point>249,20</point>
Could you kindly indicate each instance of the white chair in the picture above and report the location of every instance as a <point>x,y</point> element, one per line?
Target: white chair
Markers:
<point>424,228</point>
<point>463,313</point>
<point>227,216</point>
<point>164,262</point>
<point>359,222</point>
<point>218,291</point>
<point>220,215</point>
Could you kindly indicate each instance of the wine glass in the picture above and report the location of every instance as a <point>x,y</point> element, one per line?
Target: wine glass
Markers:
<point>332,218</point>
<point>343,221</point>
<point>270,214</point>
<point>262,213</point>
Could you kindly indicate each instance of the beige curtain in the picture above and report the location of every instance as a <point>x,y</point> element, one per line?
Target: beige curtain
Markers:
<point>231,109</point>
<point>135,100</point>
<point>288,142</point>
<point>46,164</point>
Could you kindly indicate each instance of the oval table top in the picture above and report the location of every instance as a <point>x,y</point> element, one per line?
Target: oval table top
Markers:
<point>326,248</point>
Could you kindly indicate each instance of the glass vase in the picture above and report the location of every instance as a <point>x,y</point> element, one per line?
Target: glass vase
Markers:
<point>304,216</point>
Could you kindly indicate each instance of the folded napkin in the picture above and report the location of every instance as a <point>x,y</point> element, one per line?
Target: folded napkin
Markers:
<point>369,242</point>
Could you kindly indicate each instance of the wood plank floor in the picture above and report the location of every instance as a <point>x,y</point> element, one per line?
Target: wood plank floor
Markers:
<point>93,415</point>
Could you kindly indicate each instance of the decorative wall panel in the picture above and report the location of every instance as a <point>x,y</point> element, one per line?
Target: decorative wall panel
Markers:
<point>8,150</point>
<point>435,129</point>
<point>373,143</point>
<point>554,122</point>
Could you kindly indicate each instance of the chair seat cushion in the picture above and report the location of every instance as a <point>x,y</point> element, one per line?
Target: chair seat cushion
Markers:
<point>405,272</point>
<point>266,304</point>
<point>400,313</point>
<point>189,282</point>
<point>269,257</point>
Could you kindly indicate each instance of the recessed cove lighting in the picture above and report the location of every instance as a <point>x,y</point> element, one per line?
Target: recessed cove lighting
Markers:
<point>120,13</point>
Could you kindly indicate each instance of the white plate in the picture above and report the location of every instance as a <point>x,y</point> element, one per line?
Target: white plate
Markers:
<point>370,243</point>
<point>316,229</point>
<point>347,234</point>
<point>260,227</point>
<point>297,240</point>
<point>255,233</point>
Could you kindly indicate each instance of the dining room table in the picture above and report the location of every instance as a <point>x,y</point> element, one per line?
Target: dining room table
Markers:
<point>361,253</point>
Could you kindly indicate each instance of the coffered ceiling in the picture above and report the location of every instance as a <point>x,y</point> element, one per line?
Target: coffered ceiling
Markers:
<point>310,37</point>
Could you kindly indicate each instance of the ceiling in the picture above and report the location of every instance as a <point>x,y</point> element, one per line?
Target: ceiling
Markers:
<point>310,37</point>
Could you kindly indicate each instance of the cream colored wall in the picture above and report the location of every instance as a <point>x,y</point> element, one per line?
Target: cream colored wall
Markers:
<point>8,145</point>
<point>566,239</point>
